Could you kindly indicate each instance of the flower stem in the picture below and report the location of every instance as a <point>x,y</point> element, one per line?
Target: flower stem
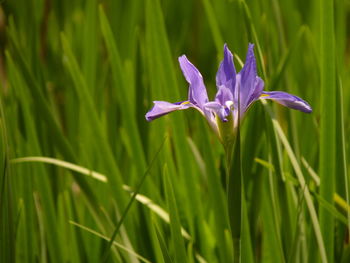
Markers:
<point>234,194</point>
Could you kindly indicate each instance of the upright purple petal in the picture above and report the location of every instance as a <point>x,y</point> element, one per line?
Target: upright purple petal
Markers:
<point>226,75</point>
<point>161,108</point>
<point>197,92</point>
<point>247,77</point>
<point>287,100</point>
<point>224,94</point>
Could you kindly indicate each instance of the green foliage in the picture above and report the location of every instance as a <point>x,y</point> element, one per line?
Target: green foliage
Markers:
<point>77,78</point>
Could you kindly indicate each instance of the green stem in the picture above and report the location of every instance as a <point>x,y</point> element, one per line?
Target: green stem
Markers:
<point>234,194</point>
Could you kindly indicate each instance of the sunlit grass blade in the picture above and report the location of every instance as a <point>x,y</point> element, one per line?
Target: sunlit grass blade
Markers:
<point>123,87</point>
<point>133,196</point>
<point>46,113</point>
<point>102,178</point>
<point>302,183</point>
<point>115,243</point>
<point>41,181</point>
<point>86,97</point>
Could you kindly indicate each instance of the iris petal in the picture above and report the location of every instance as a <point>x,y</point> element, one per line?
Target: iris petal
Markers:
<point>226,75</point>
<point>248,76</point>
<point>224,94</point>
<point>161,108</point>
<point>219,109</point>
<point>197,93</point>
<point>287,100</point>
<point>258,88</point>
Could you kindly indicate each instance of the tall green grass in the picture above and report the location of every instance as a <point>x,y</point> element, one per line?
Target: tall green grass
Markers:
<point>86,179</point>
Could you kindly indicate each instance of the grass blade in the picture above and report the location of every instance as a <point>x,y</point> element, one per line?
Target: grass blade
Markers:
<point>175,226</point>
<point>328,122</point>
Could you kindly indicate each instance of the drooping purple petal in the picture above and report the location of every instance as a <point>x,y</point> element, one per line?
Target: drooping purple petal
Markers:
<point>247,77</point>
<point>287,100</point>
<point>226,75</point>
<point>218,108</point>
<point>161,108</point>
<point>197,93</point>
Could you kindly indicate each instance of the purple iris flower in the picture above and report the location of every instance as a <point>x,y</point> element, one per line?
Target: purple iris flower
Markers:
<point>235,92</point>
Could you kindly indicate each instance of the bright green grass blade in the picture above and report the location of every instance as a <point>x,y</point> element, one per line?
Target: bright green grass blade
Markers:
<point>272,221</point>
<point>46,114</point>
<point>328,122</point>
<point>177,240</point>
<point>284,61</point>
<point>341,151</point>
<point>279,194</point>
<point>42,182</point>
<point>331,209</point>
<point>156,245</point>
<point>219,42</point>
<point>217,194</point>
<point>166,254</point>
<point>86,98</point>
<point>302,183</point>
<point>120,82</point>
<point>164,83</point>
<point>102,178</point>
<point>90,50</point>
<point>73,245</point>
<point>125,212</point>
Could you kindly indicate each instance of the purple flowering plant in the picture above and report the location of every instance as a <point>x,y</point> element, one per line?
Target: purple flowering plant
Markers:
<point>236,92</point>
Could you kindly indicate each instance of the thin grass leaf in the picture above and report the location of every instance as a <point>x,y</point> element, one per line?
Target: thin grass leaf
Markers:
<point>115,243</point>
<point>133,196</point>
<point>328,122</point>
<point>213,25</point>
<point>100,177</point>
<point>163,246</point>
<point>301,179</point>
<point>175,226</point>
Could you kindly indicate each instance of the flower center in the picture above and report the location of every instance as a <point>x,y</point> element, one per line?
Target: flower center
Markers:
<point>229,104</point>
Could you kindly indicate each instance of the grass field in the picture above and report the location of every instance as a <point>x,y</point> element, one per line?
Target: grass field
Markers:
<point>85,178</point>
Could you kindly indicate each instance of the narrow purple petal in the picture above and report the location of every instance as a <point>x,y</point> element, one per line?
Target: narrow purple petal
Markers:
<point>197,92</point>
<point>258,88</point>
<point>161,108</point>
<point>287,100</point>
<point>247,77</point>
<point>224,94</point>
<point>226,75</point>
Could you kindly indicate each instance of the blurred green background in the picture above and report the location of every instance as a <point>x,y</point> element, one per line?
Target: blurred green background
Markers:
<point>77,78</point>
